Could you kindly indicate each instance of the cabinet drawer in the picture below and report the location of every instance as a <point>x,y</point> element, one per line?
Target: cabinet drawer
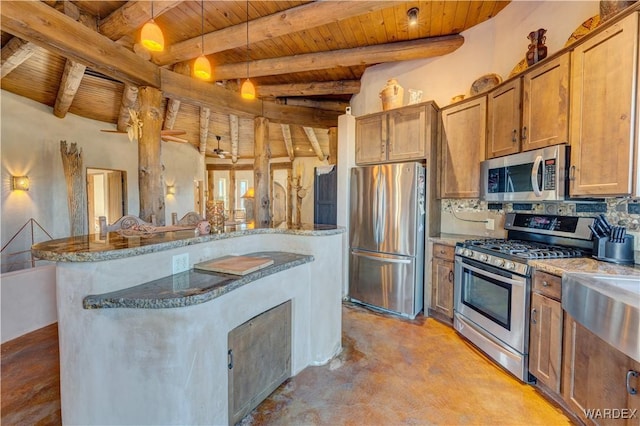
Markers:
<point>547,284</point>
<point>443,251</point>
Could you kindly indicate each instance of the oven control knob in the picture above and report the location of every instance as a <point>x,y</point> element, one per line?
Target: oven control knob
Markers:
<point>468,253</point>
<point>510,265</point>
<point>484,257</point>
<point>499,262</point>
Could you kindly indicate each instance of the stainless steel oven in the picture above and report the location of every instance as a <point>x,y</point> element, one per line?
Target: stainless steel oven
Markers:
<point>493,280</point>
<point>491,305</point>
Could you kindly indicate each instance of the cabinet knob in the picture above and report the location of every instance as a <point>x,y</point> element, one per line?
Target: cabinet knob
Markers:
<point>545,284</point>
<point>450,276</point>
<point>524,133</point>
<point>514,138</point>
<point>533,316</point>
<point>442,252</point>
<point>631,390</point>
<point>572,173</point>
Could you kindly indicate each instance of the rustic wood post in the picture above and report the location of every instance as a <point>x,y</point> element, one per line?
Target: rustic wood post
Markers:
<point>261,171</point>
<point>289,195</point>
<point>333,145</point>
<point>232,193</point>
<point>149,165</point>
<point>72,166</point>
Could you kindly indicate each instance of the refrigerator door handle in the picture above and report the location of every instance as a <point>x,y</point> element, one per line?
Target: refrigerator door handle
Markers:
<point>380,258</point>
<point>382,227</point>
<point>376,196</point>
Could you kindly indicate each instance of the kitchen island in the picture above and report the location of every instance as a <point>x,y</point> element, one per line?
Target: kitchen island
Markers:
<point>133,362</point>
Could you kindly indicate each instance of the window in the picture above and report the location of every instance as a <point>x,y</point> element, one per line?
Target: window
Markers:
<point>222,191</point>
<point>243,186</point>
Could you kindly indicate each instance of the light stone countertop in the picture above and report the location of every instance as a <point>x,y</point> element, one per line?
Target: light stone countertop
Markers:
<point>452,239</point>
<point>93,247</point>
<point>585,265</point>
<point>191,287</point>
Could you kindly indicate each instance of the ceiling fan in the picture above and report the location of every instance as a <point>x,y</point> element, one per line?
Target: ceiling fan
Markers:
<point>220,152</point>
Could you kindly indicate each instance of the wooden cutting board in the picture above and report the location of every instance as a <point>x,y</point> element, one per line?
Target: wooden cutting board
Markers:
<point>236,265</point>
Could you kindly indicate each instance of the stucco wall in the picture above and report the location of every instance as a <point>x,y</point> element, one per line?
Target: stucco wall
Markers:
<point>495,46</point>
<point>30,145</point>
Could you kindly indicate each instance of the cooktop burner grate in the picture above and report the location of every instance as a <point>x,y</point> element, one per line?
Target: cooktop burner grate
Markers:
<point>523,249</point>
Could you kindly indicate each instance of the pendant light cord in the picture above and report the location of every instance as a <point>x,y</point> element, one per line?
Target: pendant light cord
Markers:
<point>248,56</point>
<point>202,25</point>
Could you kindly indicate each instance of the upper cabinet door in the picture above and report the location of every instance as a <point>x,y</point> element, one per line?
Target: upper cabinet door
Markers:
<point>545,105</point>
<point>463,141</point>
<point>407,130</point>
<point>603,103</point>
<point>371,139</point>
<point>504,120</point>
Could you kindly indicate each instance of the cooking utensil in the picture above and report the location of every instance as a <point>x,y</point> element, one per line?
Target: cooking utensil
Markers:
<point>605,222</point>
<point>595,232</point>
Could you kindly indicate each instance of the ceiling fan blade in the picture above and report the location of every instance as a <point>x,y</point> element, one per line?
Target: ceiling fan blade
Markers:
<point>170,132</point>
<point>112,131</point>
<point>174,139</point>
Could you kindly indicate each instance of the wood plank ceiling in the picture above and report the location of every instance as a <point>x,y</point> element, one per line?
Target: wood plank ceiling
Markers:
<point>300,54</point>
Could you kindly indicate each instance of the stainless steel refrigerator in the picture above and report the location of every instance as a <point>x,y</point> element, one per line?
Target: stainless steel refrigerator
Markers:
<point>387,223</point>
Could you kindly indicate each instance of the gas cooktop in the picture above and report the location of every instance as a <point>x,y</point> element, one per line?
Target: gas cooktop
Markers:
<point>523,249</point>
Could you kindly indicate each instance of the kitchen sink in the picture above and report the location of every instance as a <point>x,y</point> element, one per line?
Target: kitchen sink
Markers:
<point>607,305</point>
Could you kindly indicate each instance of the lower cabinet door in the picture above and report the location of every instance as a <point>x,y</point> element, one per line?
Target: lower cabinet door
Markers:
<point>442,287</point>
<point>545,341</point>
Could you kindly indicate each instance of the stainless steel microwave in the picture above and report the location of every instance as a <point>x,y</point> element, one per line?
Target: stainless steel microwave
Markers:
<point>538,175</point>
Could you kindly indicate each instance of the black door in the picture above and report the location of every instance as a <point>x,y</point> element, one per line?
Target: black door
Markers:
<point>326,197</point>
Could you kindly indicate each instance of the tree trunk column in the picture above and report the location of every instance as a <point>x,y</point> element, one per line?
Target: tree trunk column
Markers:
<point>261,172</point>
<point>149,163</point>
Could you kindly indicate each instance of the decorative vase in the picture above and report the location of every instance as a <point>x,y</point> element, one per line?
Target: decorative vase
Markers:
<point>391,95</point>
<point>215,215</point>
<point>537,50</point>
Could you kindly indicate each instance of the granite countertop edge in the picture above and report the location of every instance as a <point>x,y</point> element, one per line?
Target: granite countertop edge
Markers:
<point>583,265</point>
<point>107,301</point>
<point>47,251</point>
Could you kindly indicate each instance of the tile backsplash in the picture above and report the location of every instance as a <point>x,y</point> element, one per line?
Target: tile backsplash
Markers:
<point>475,217</point>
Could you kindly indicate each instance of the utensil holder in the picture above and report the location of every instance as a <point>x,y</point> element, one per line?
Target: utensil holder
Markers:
<point>609,251</point>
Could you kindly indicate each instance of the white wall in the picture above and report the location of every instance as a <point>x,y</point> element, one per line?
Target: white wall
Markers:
<point>30,145</point>
<point>495,46</point>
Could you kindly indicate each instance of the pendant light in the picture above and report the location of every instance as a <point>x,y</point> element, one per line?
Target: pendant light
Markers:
<point>202,67</point>
<point>248,91</point>
<point>151,35</point>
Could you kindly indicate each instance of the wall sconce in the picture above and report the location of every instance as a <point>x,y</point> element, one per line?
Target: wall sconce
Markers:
<point>412,15</point>
<point>20,183</point>
<point>171,190</point>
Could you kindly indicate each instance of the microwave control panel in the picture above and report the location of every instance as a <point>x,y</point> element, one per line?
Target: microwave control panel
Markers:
<point>549,174</point>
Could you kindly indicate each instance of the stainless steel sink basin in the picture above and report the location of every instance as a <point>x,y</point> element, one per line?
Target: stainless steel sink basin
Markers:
<point>607,305</point>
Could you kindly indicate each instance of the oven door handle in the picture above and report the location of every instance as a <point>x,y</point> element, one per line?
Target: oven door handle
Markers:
<point>517,282</point>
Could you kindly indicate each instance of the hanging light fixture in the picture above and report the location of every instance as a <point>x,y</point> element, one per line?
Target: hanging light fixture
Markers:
<point>151,35</point>
<point>248,91</point>
<point>202,67</point>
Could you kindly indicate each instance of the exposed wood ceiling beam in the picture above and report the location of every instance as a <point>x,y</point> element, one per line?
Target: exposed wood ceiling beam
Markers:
<point>338,106</point>
<point>36,22</point>
<point>344,87</point>
<point>14,53</point>
<point>288,143</point>
<point>73,70</point>
<point>369,55</point>
<point>43,25</point>
<point>313,139</point>
<point>204,94</point>
<point>173,105</point>
<point>132,16</point>
<point>129,99</point>
<point>205,115</point>
<point>268,27</point>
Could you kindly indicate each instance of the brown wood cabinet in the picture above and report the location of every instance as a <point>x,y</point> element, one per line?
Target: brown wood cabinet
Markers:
<point>503,129</point>
<point>259,359</point>
<point>604,92</point>
<point>532,111</point>
<point>595,378</point>
<point>545,104</point>
<point>397,135</point>
<point>442,282</point>
<point>462,148</point>
<point>545,332</point>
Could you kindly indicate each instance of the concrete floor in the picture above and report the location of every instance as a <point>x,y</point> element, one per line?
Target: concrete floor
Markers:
<point>391,372</point>
<point>401,372</point>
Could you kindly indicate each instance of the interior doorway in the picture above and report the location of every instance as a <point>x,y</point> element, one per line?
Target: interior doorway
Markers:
<point>106,196</point>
